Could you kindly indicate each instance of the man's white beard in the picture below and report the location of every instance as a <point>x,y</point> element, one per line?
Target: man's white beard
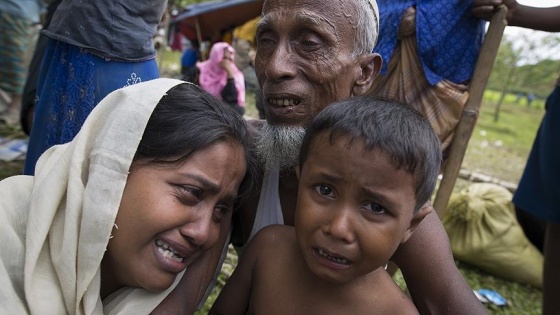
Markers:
<point>278,146</point>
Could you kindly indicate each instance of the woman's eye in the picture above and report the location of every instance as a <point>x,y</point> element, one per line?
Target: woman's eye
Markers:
<point>324,190</point>
<point>188,195</point>
<point>375,208</point>
<point>192,191</point>
<point>219,213</point>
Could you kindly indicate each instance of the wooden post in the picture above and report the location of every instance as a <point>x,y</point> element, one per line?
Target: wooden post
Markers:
<point>469,116</point>
<point>199,36</point>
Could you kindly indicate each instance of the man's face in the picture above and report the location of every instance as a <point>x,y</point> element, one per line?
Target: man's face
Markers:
<point>304,57</point>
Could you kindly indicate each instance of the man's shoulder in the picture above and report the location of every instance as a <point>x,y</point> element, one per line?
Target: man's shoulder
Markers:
<point>388,299</point>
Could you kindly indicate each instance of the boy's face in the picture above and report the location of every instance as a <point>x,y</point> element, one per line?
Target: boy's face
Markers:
<point>354,208</point>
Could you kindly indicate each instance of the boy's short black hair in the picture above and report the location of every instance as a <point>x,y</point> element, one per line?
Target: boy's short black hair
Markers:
<point>394,128</point>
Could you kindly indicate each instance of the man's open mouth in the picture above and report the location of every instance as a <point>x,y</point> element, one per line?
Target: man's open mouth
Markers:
<point>283,102</point>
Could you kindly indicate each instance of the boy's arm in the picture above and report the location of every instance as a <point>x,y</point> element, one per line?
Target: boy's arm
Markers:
<point>235,295</point>
<point>433,280</point>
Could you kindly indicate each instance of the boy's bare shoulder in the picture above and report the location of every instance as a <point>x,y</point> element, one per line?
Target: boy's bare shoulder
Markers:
<point>268,243</point>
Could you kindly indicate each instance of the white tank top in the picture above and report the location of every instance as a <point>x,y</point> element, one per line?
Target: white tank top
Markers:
<point>269,210</point>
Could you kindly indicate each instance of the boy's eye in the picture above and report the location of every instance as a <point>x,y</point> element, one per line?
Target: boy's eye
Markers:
<point>324,190</point>
<point>375,208</point>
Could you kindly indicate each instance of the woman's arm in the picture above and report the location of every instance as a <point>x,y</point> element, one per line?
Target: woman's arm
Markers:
<point>229,92</point>
<point>433,280</point>
<point>235,295</point>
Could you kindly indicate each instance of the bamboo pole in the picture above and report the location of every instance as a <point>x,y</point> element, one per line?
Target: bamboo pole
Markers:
<point>199,36</point>
<point>469,116</point>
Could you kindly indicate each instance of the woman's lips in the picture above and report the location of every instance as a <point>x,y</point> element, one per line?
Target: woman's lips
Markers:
<point>171,257</point>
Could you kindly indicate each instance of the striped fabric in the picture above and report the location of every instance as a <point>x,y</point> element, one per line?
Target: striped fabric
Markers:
<point>406,82</point>
<point>14,36</point>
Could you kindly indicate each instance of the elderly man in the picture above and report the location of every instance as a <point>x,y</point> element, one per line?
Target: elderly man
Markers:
<point>311,53</point>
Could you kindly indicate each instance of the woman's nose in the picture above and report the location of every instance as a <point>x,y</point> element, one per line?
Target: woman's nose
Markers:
<point>200,230</point>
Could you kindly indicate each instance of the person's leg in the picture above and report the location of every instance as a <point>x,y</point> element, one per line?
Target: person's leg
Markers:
<point>551,277</point>
<point>533,227</point>
<point>13,46</point>
<point>12,113</point>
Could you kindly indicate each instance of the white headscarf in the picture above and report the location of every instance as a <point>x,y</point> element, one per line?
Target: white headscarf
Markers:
<point>55,226</point>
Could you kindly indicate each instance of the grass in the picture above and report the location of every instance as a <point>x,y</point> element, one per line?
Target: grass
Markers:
<point>498,149</point>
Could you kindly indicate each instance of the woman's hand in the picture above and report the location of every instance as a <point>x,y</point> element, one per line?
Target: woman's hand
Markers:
<point>227,64</point>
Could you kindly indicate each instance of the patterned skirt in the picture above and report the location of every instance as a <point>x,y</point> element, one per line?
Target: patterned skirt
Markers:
<point>71,83</point>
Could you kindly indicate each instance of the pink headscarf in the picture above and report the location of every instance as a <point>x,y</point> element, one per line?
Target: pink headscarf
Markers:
<point>213,78</point>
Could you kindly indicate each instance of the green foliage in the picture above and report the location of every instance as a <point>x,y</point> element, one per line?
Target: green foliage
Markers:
<point>180,4</point>
<point>500,149</point>
<point>517,68</point>
<point>522,299</point>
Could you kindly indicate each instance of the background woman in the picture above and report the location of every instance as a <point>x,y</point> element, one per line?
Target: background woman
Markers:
<point>93,48</point>
<point>220,77</point>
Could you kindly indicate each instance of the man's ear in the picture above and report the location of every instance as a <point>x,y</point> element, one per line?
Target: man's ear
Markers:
<point>370,65</point>
<point>416,219</point>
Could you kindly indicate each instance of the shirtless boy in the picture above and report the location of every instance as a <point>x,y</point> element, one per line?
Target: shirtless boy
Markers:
<point>365,170</point>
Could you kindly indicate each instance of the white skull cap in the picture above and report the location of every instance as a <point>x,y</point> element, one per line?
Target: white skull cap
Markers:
<point>376,11</point>
<point>373,4</point>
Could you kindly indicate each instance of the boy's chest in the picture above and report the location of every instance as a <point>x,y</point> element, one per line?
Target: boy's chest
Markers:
<point>285,287</point>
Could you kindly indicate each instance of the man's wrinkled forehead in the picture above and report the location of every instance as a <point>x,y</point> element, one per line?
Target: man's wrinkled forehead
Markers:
<point>303,18</point>
<point>312,13</point>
